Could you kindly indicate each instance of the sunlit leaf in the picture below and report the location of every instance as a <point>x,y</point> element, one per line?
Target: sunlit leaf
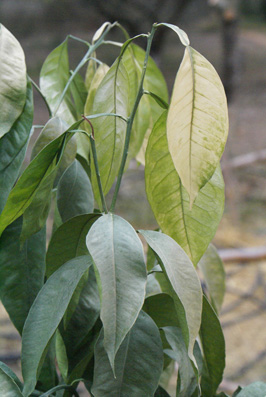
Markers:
<point>197,122</point>
<point>192,228</point>
<point>213,271</point>
<point>138,363</point>
<point>13,81</point>
<point>44,318</point>
<point>13,148</point>
<point>182,35</point>
<point>79,94</point>
<point>121,274</point>
<point>96,80</point>
<point>178,269</point>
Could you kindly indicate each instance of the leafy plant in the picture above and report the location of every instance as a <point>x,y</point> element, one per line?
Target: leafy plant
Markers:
<point>103,306</point>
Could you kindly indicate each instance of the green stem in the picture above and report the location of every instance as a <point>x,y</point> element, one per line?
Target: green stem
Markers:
<point>95,160</point>
<point>131,118</point>
<point>86,57</point>
<point>60,387</point>
<point>43,97</point>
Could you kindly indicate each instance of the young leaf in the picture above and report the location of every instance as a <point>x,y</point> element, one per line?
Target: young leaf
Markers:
<point>121,273</point>
<point>8,386</point>
<point>178,269</point>
<point>44,318</point>
<point>213,271</point>
<point>187,380</point>
<point>65,244</point>
<point>13,83</point>
<point>13,148</point>
<point>213,346</point>
<point>192,228</point>
<point>97,79</point>
<point>182,35</point>
<point>138,363</point>
<point>54,76</point>
<point>109,131</point>
<point>35,176</point>
<point>74,192</point>
<point>19,269</point>
<point>197,122</point>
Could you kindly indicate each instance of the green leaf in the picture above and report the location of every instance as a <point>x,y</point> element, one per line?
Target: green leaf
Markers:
<point>192,228</point>
<point>44,317</point>
<point>138,364</point>
<point>33,179</point>
<point>95,82</point>
<point>90,72</point>
<point>13,148</point>
<point>54,76</point>
<point>11,374</point>
<point>162,310</point>
<point>153,286</point>
<point>61,356</point>
<point>79,93</point>
<point>197,122</point>
<point>213,346</point>
<point>182,35</point>
<point>109,132</point>
<point>160,392</point>
<point>121,274</point>
<point>256,389</point>
<point>187,380</point>
<point>13,83</point>
<point>178,269</point>
<point>65,244</point>
<point>74,192</point>
<point>21,271</point>
<point>8,386</point>
<point>213,272</point>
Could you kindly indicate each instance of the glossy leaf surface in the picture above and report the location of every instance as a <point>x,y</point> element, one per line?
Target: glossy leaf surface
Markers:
<point>74,192</point>
<point>197,122</point>
<point>8,387</point>
<point>65,244</point>
<point>213,271</point>
<point>192,228</point>
<point>178,270</point>
<point>44,318</point>
<point>138,364</point>
<point>13,81</point>
<point>121,274</point>
<point>13,148</point>
<point>213,346</point>
<point>21,267</point>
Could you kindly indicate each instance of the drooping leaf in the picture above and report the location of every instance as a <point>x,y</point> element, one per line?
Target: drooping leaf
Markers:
<point>32,179</point>
<point>187,380</point>
<point>138,363</point>
<point>74,192</point>
<point>65,244</point>
<point>213,346</point>
<point>213,271</point>
<point>182,35</point>
<point>197,122</point>
<point>121,274</point>
<point>256,389</point>
<point>8,386</point>
<point>192,228</point>
<point>54,76</point>
<point>178,269</point>
<point>45,316</point>
<point>13,148</point>
<point>13,83</point>
<point>21,271</point>
<point>109,131</point>
<point>11,374</point>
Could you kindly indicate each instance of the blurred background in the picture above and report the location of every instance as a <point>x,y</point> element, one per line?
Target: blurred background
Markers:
<point>231,34</point>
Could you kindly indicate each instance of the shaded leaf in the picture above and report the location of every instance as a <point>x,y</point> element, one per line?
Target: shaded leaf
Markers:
<point>213,346</point>
<point>54,76</point>
<point>121,274</point>
<point>8,386</point>
<point>11,374</point>
<point>74,192</point>
<point>13,148</point>
<point>138,364</point>
<point>178,269</point>
<point>65,244</point>
<point>21,267</point>
<point>213,271</point>
<point>162,310</point>
<point>160,392</point>
<point>13,81</point>
<point>79,94</point>
<point>192,228</point>
<point>44,318</point>
<point>197,122</point>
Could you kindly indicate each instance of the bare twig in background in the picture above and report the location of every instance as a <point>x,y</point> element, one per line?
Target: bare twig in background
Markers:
<point>245,160</point>
<point>248,254</point>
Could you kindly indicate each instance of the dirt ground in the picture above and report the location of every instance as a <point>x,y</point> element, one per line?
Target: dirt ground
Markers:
<point>244,222</point>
